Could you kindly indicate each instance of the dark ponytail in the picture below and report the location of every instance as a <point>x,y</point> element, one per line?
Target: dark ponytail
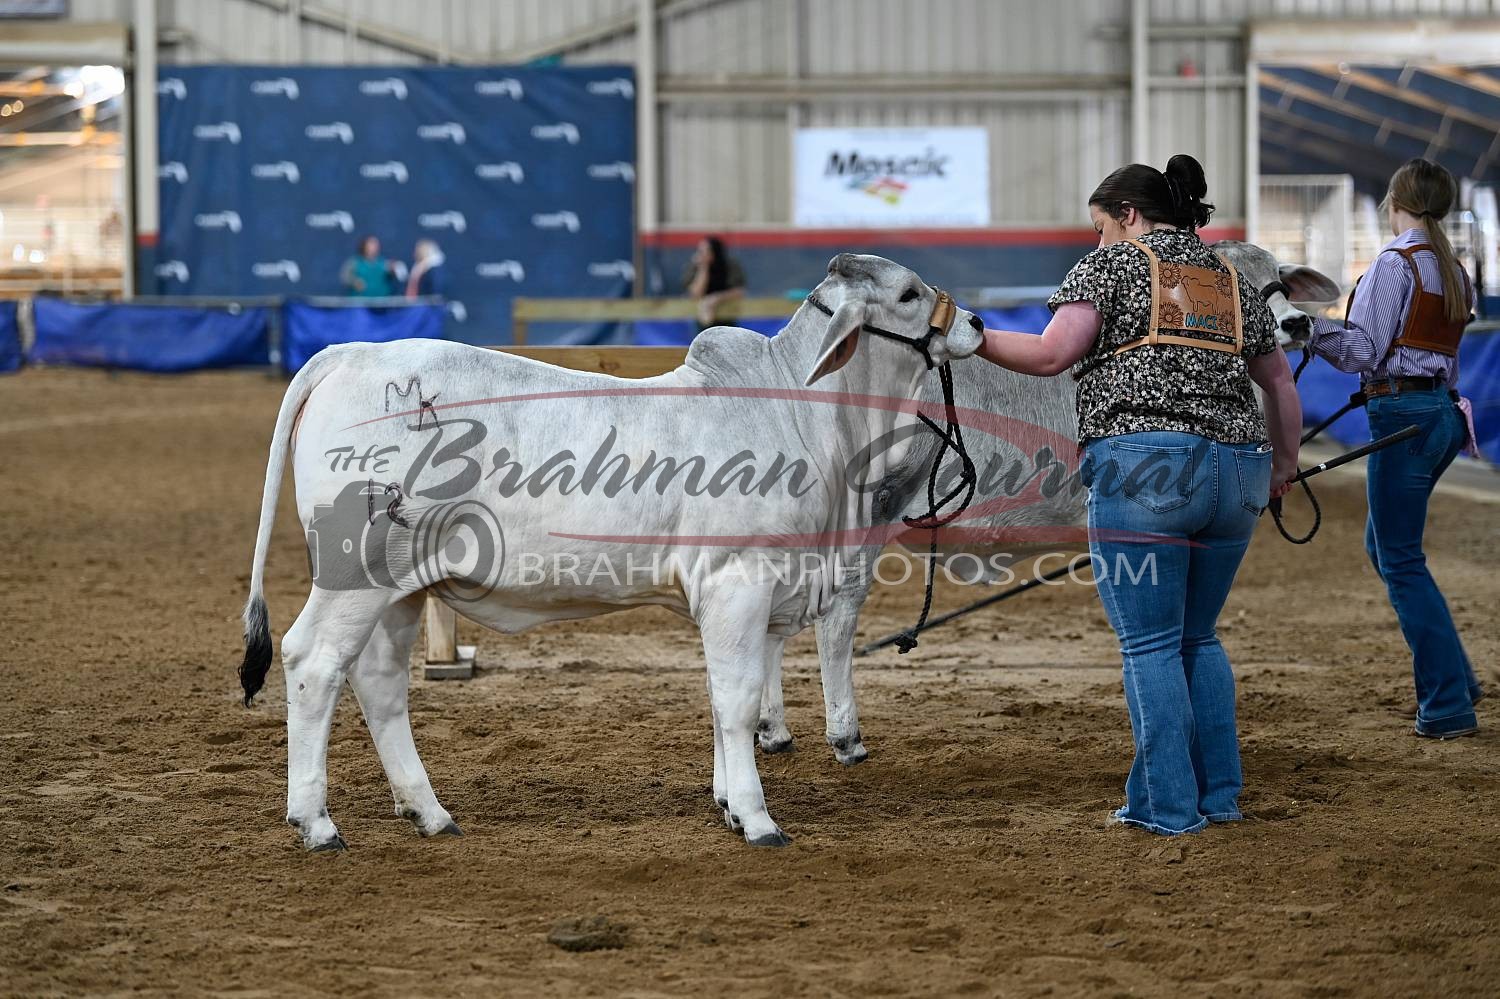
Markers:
<point>1172,198</point>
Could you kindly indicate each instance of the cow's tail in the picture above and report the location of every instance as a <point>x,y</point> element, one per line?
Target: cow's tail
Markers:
<point>258,651</point>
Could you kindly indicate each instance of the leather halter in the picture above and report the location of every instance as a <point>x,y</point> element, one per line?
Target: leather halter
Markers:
<point>938,324</point>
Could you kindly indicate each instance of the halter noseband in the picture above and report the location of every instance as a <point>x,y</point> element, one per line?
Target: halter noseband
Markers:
<point>938,324</point>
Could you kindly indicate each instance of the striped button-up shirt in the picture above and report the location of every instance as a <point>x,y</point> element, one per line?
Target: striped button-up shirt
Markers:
<point>1381,304</point>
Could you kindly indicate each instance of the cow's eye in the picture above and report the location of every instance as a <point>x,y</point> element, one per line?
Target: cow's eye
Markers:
<point>909,295</point>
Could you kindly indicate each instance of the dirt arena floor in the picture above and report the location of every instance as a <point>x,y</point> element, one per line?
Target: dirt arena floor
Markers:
<point>142,848</point>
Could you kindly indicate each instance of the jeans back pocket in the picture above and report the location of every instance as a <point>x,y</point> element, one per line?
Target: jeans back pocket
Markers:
<point>1254,468</point>
<point>1157,478</point>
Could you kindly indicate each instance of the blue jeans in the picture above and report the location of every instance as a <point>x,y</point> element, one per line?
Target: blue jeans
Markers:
<point>1170,517</point>
<point>1401,478</point>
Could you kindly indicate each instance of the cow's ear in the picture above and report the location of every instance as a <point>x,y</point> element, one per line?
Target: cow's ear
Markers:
<point>840,340</point>
<point>1307,284</point>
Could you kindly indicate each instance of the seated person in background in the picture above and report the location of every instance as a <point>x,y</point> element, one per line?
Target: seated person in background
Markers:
<point>711,278</point>
<point>368,274</point>
<point>427,274</point>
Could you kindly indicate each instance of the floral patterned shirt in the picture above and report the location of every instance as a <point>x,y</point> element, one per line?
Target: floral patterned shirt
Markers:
<point>1166,386</point>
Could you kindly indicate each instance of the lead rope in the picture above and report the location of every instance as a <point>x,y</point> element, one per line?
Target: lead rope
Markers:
<point>1275,504</point>
<point>932,520</point>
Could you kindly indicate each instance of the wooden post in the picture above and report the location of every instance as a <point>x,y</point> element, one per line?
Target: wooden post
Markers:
<point>445,659</point>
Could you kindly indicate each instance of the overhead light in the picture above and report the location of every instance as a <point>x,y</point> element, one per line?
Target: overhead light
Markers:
<point>19,106</point>
<point>74,89</point>
<point>108,81</point>
<point>4,110</point>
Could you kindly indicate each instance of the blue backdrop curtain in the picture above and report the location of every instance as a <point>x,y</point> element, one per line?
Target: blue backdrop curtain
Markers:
<point>524,177</point>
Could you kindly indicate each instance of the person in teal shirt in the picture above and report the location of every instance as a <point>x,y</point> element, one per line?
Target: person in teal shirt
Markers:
<point>368,274</point>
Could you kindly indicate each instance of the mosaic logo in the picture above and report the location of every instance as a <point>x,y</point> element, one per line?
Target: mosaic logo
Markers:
<point>447,131</point>
<point>218,220</point>
<point>270,269</point>
<point>390,86</point>
<point>172,87</point>
<point>331,220</point>
<point>507,87</point>
<point>227,130</point>
<point>623,269</point>
<point>618,170</point>
<point>173,270</point>
<point>443,220</point>
<point>619,86</point>
<point>511,269</point>
<point>282,170</point>
<point>282,86</point>
<point>556,220</point>
<point>340,130</point>
<point>391,170</point>
<point>565,130</point>
<point>509,170</point>
<point>173,170</point>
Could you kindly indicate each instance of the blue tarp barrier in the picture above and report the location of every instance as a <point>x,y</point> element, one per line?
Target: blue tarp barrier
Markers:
<point>524,176</point>
<point>10,338</point>
<point>307,329</point>
<point>1324,389</point>
<point>149,337</point>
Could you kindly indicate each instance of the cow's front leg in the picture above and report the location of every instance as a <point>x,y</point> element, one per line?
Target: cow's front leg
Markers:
<point>316,656</point>
<point>380,679</point>
<point>733,623</point>
<point>836,660</point>
<point>771,730</point>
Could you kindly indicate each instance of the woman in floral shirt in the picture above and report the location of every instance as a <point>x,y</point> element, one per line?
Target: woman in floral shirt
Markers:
<point>1176,458</point>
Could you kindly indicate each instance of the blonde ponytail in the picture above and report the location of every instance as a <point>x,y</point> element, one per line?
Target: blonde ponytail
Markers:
<point>1427,190</point>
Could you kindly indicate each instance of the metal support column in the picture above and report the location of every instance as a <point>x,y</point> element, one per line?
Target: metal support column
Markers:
<point>647,143</point>
<point>146,217</point>
<point>1140,81</point>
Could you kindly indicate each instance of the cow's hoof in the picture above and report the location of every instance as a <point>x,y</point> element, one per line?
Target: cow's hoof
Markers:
<point>334,845</point>
<point>732,821</point>
<point>849,751</point>
<point>451,829</point>
<point>772,747</point>
<point>777,838</point>
<point>723,803</point>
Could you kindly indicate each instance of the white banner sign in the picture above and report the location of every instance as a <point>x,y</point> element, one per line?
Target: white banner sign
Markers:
<point>891,177</point>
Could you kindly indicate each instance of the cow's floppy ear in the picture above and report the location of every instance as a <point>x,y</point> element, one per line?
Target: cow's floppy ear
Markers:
<point>1307,284</point>
<point>840,340</point>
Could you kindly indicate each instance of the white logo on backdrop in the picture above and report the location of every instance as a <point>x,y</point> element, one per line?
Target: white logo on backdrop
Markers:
<point>282,85</point>
<point>172,85</point>
<point>508,87</point>
<point>390,86</point>
<point>443,220</point>
<point>278,269</point>
<point>390,170</point>
<point>218,220</point>
<point>447,131</point>
<point>562,130</point>
<point>284,169</point>
<point>613,268</point>
<point>620,86</point>
<point>331,220</point>
<point>613,171</point>
<point>174,269</point>
<point>340,130</point>
<point>502,269</point>
<point>173,170</point>
<point>556,220</point>
<point>458,312</point>
<point>223,130</point>
<point>509,170</point>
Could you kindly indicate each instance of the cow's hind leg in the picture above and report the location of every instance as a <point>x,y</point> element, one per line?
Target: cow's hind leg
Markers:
<point>771,731</point>
<point>317,655</point>
<point>380,678</point>
<point>734,642</point>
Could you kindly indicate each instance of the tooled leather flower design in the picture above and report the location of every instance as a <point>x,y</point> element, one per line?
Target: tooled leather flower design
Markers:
<point>1171,314</point>
<point>1171,275</point>
<point>1224,285</point>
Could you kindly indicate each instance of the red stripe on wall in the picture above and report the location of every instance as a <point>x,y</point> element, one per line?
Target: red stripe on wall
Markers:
<point>1069,236</point>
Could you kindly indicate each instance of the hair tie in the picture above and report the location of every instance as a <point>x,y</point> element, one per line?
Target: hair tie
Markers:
<point>1175,191</point>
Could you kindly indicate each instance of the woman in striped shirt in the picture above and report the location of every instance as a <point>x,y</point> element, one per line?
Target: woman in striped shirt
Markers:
<point>1401,335</point>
